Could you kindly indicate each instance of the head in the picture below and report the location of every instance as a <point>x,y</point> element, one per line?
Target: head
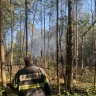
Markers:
<point>28,61</point>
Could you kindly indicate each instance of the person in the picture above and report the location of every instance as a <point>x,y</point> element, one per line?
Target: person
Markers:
<point>31,80</point>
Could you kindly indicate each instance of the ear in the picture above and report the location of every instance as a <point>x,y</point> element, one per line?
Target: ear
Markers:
<point>31,62</point>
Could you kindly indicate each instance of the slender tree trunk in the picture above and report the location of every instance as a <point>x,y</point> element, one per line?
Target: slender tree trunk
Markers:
<point>0,27</point>
<point>54,53</point>
<point>41,31</point>
<point>11,55</point>
<point>82,52</point>
<point>48,42</point>
<point>95,6</point>
<point>95,67</point>
<point>32,39</point>
<point>2,51</point>
<point>44,41</point>
<point>32,35</point>
<point>22,54</point>
<point>60,38</point>
<point>93,40</point>
<point>26,18</point>
<point>20,50</point>
<point>76,54</point>
<point>95,53</point>
<point>58,83</point>
<point>95,80</point>
<point>3,74</point>
<point>69,81</point>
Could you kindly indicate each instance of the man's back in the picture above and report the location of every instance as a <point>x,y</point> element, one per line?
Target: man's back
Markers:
<point>30,81</point>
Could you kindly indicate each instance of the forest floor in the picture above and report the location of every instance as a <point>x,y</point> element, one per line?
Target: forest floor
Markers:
<point>80,90</point>
<point>82,87</point>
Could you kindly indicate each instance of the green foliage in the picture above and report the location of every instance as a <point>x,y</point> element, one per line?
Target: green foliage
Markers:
<point>66,93</point>
<point>87,76</point>
<point>91,91</point>
<point>8,91</point>
<point>2,89</point>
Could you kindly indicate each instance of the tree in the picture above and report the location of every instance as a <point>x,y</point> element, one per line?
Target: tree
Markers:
<point>76,41</point>
<point>2,52</point>
<point>26,18</point>
<point>11,55</point>
<point>69,72</point>
<point>57,48</point>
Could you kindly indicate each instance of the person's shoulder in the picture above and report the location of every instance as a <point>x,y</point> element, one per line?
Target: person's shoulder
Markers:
<point>37,67</point>
<point>18,72</point>
<point>42,70</point>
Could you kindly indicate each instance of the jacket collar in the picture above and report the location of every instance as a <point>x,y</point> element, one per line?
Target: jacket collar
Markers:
<point>29,65</point>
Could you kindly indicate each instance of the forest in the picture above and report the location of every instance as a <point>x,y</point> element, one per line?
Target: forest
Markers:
<point>59,35</point>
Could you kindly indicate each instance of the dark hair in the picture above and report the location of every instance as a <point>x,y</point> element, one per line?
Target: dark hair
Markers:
<point>27,60</point>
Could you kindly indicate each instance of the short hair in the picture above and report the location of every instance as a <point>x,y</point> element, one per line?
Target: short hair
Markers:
<point>27,60</point>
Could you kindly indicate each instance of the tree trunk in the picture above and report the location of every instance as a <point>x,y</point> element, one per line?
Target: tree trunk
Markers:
<point>22,54</point>
<point>95,67</point>
<point>20,50</point>
<point>48,42</point>
<point>95,53</point>
<point>11,55</point>
<point>82,52</point>
<point>2,52</point>
<point>26,17</point>
<point>69,66</point>
<point>58,83</point>
<point>44,41</point>
<point>0,28</point>
<point>76,54</point>
<point>93,33</point>
<point>41,30</point>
